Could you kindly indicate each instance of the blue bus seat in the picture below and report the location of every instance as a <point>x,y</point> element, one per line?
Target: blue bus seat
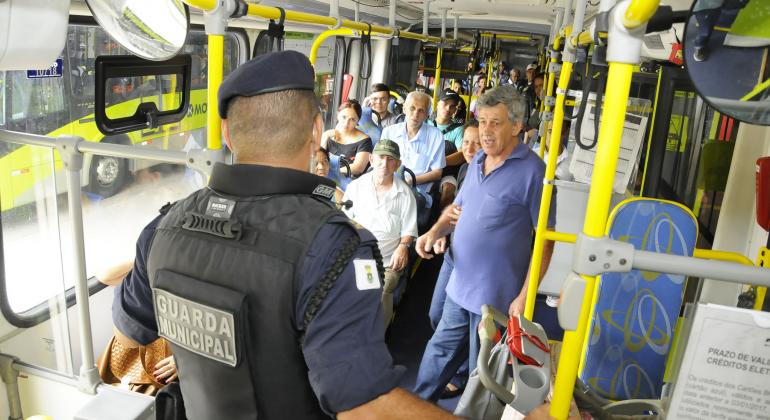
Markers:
<point>634,314</point>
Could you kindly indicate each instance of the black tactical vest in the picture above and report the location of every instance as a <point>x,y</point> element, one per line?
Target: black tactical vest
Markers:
<point>224,271</point>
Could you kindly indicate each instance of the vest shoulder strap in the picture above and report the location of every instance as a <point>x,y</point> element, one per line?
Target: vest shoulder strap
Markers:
<point>341,260</point>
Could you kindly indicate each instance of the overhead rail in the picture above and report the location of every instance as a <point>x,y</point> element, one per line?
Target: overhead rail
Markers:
<point>270,12</point>
<point>323,36</point>
<point>508,37</point>
<point>216,15</point>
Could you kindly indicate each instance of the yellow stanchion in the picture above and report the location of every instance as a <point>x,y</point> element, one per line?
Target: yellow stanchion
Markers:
<point>322,37</point>
<point>489,72</point>
<point>639,12</point>
<point>550,82</point>
<point>610,133</point>
<point>437,77</point>
<point>763,260</point>
<point>652,127</point>
<point>215,65</point>
<point>202,4</point>
<point>545,200</point>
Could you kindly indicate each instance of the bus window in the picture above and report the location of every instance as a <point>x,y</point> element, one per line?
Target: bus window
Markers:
<point>37,103</point>
<point>120,195</point>
<point>165,91</point>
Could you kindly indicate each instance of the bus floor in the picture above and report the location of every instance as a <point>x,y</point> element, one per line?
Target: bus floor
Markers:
<point>410,331</point>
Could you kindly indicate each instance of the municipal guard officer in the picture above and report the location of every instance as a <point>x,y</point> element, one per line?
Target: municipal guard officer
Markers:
<point>269,296</point>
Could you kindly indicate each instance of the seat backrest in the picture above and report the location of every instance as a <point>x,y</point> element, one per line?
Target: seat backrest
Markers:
<point>634,314</point>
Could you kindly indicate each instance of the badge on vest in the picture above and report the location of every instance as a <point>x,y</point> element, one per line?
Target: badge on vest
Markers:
<point>367,277</point>
<point>324,191</point>
<point>201,329</point>
<point>219,207</point>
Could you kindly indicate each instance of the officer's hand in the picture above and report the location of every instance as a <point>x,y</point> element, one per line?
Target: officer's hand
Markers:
<point>399,258</point>
<point>439,247</point>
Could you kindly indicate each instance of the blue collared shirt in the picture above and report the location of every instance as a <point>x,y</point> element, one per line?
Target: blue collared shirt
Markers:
<point>422,153</point>
<point>491,246</point>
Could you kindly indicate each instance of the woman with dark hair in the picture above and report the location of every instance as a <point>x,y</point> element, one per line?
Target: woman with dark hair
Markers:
<point>346,140</point>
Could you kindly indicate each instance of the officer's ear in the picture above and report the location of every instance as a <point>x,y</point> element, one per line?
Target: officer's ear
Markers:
<point>226,134</point>
<point>318,129</point>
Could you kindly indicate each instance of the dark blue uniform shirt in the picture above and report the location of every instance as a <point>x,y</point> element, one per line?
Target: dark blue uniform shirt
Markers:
<point>344,347</point>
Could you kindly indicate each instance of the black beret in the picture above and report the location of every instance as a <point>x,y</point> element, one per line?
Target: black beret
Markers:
<point>273,72</point>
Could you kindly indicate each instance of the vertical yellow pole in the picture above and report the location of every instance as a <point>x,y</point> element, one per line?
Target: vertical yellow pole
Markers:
<point>550,82</point>
<point>545,199</point>
<point>437,78</point>
<point>489,72</point>
<point>652,127</point>
<point>597,212</point>
<point>215,70</point>
<point>762,261</point>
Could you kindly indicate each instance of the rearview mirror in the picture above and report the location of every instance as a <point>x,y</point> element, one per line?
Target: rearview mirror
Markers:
<point>725,47</point>
<point>154,30</point>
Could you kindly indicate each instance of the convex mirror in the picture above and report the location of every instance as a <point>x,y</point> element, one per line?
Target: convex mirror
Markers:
<point>726,55</point>
<point>153,30</point>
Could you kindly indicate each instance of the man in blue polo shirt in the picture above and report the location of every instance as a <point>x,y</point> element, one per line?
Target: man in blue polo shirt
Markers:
<point>495,213</point>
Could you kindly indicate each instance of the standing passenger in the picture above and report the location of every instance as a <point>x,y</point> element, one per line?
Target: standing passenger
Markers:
<point>496,212</point>
<point>269,296</point>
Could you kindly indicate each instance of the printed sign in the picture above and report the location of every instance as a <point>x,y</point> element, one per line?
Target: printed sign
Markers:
<point>725,372</point>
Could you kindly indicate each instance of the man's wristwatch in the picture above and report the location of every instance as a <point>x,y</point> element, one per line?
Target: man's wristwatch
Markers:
<point>408,245</point>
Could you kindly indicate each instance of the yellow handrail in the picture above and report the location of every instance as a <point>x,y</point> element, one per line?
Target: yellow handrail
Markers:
<point>215,65</point>
<point>584,38</point>
<point>757,89</point>
<point>437,77</point>
<point>597,213</point>
<point>738,258</point>
<point>711,254</point>
<point>553,235</point>
<point>269,12</point>
<point>763,260</point>
<point>545,198</point>
<point>322,37</point>
<point>639,12</point>
<point>506,36</point>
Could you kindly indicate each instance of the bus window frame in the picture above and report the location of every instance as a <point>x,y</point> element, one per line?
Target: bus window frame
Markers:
<point>2,98</point>
<point>41,312</point>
